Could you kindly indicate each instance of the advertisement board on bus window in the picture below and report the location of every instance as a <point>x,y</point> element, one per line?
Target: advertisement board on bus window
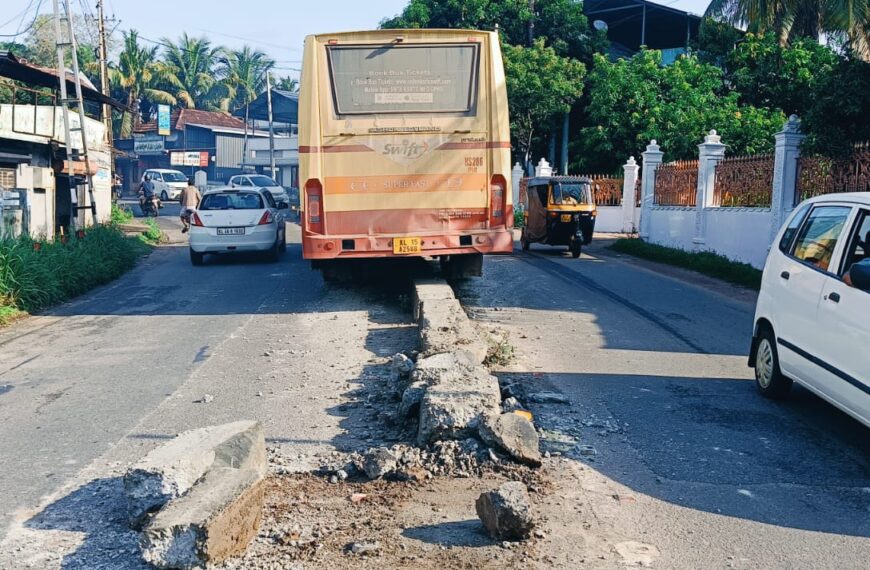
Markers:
<point>412,78</point>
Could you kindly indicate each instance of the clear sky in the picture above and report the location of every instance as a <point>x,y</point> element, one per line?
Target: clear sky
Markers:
<point>275,26</point>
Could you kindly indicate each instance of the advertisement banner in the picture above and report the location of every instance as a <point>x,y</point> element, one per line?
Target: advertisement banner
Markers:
<point>189,158</point>
<point>163,127</point>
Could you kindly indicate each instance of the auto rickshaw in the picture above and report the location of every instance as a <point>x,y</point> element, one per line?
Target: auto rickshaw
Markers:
<point>559,210</point>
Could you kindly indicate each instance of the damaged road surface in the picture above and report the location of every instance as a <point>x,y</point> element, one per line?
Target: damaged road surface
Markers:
<point>589,414</point>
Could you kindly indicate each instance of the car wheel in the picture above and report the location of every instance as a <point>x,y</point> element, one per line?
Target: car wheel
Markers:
<point>196,258</point>
<point>275,252</point>
<point>283,242</point>
<point>164,196</point>
<point>768,377</point>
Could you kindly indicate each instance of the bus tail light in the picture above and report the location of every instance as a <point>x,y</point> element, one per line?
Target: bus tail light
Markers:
<point>496,200</point>
<point>314,205</point>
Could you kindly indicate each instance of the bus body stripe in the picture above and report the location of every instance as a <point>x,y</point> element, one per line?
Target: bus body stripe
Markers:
<point>410,183</point>
<point>409,222</point>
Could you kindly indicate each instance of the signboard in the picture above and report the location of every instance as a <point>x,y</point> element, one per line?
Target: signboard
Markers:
<point>163,127</point>
<point>189,158</point>
<point>10,200</point>
<point>149,144</point>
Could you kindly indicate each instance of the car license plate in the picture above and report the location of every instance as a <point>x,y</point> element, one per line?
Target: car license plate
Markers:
<point>567,217</point>
<point>231,231</point>
<point>407,245</point>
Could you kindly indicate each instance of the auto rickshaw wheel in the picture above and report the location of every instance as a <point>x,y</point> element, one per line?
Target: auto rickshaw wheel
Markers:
<point>575,248</point>
<point>524,243</point>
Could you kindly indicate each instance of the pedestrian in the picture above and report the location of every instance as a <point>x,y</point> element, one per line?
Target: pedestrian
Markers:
<point>858,276</point>
<point>189,199</point>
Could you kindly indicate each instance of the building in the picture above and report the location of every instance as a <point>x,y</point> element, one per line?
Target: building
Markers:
<point>285,117</point>
<point>631,24</point>
<point>218,139</point>
<point>34,171</point>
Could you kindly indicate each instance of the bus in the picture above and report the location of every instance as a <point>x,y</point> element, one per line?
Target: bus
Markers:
<point>404,147</point>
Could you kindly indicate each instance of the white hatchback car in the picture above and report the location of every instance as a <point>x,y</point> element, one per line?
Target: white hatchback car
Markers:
<point>810,326</point>
<point>260,181</point>
<point>235,220</point>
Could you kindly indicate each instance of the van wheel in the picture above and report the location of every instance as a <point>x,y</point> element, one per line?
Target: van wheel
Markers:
<point>164,196</point>
<point>768,377</point>
<point>196,258</point>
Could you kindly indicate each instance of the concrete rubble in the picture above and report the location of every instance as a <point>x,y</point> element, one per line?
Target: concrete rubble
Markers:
<point>513,434</point>
<point>506,512</point>
<point>206,488</point>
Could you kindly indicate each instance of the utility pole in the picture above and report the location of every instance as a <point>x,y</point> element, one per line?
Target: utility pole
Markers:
<point>271,125</point>
<point>104,70</point>
<point>532,23</point>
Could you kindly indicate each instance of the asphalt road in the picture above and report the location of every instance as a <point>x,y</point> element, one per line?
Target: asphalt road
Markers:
<point>655,371</point>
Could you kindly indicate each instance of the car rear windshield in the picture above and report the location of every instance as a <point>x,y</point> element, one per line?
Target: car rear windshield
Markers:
<point>232,201</point>
<point>174,177</point>
<point>263,181</point>
<point>430,78</point>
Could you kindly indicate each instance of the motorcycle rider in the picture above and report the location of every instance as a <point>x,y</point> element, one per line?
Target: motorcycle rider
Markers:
<point>147,194</point>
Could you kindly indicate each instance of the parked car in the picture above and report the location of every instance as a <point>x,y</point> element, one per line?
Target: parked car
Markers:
<point>232,220</point>
<point>810,326</point>
<point>168,184</point>
<point>260,181</point>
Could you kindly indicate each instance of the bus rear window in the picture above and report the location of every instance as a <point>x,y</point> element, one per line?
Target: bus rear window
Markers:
<point>431,78</point>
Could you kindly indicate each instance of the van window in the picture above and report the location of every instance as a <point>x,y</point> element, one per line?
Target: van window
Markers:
<point>793,225</point>
<point>817,239</point>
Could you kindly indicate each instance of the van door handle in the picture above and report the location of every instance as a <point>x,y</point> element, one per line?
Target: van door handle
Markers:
<point>785,275</point>
<point>835,297</point>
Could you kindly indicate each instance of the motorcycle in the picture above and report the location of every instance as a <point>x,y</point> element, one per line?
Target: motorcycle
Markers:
<point>151,206</point>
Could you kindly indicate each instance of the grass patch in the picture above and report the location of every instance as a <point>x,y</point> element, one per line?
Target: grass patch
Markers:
<point>9,313</point>
<point>705,262</point>
<point>37,274</point>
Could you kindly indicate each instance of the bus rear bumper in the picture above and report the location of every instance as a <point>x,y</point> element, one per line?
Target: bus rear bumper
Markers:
<point>360,246</point>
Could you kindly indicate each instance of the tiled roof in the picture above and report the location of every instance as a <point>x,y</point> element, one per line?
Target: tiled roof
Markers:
<point>181,117</point>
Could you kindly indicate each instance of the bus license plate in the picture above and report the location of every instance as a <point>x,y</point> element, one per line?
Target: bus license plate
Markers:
<point>407,245</point>
<point>566,217</point>
<point>231,231</point>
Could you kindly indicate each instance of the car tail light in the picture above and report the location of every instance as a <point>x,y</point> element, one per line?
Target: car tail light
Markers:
<point>195,221</point>
<point>314,205</point>
<point>496,200</point>
<point>266,218</point>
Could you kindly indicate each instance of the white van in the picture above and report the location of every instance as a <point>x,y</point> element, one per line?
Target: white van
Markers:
<point>168,184</point>
<point>812,327</point>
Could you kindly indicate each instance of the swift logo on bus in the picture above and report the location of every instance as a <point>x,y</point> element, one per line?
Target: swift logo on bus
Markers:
<point>406,149</point>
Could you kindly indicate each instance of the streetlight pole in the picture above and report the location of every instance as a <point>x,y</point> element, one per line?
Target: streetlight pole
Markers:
<point>271,125</point>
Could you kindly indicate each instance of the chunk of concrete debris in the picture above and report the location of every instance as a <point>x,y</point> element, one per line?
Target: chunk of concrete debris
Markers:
<point>378,462</point>
<point>510,404</point>
<point>513,434</point>
<point>506,512</point>
<point>411,398</point>
<point>172,469</point>
<point>214,521</point>
<point>402,365</point>
<point>365,548</point>
<point>453,409</point>
<point>443,366</point>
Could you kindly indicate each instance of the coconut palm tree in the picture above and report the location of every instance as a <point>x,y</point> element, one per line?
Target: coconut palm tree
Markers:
<point>137,73</point>
<point>245,71</point>
<point>190,74</point>
<point>849,19</point>
<point>287,84</point>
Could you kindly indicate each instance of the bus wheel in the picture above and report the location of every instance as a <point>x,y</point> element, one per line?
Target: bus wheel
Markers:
<point>463,266</point>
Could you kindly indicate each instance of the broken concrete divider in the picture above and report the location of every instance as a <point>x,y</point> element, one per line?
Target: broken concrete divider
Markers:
<point>506,512</point>
<point>453,407</point>
<point>429,290</point>
<point>214,521</point>
<point>444,327</point>
<point>172,469</point>
<point>513,434</point>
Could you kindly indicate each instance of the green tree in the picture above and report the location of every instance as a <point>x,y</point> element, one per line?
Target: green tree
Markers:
<point>837,119</point>
<point>541,85</point>
<point>792,19</point>
<point>137,74</point>
<point>287,83</point>
<point>245,71</point>
<point>770,75</point>
<point>632,101</point>
<point>190,74</point>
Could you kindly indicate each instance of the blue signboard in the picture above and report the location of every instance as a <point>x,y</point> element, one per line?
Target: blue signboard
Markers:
<point>163,127</point>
